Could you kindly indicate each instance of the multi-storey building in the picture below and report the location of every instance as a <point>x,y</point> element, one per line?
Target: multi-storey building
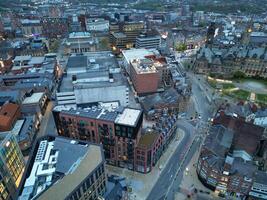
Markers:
<point>148,151</point>
<point>61,168</point>
<point>226,61</point>
<point>226,162</point>
<point>127,32</point>
<point>148,41</point>
<point>118,130</point>
<point>144,76</point>
<point>11,166</point>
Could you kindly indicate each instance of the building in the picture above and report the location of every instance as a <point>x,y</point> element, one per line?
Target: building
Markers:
<point>97,25</point>
<point>135,54</point>
<point>148,151</point>
<point>148,41</point>
<point>259,187</point>
<point>35,103</point>
<point>104,87</point>
<point>124,34</point>
<point>30,26</point>
<point>61,168</point>
<point>144,76</point>
<point>54,27</point>
<point>79,42</point>
<point>258,38</point>
<point>226,162</point>
<point>118,129</point>
<point>169,101</point>
<point>118,41</point>
<point>93,78</point>
<point>11,168</point>
<point>228,60</point>
<point>9,113</point>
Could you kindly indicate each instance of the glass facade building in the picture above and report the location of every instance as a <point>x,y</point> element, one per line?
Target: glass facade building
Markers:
<point>11,166</point>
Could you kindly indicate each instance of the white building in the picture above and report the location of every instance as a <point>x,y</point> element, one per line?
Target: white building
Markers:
<point>97,25</point>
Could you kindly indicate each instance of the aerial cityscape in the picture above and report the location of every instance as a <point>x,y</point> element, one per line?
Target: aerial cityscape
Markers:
<point>133,100</point>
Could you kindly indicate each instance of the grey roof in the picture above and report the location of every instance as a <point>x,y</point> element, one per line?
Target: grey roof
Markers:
<point>243,168</point>
<point>94,113</point>
<point>26,127</point>
<point>169,96</point>
<point>219,140</point>
<point>68,154</point>
<point>77,61</point>
<point>260,177</point>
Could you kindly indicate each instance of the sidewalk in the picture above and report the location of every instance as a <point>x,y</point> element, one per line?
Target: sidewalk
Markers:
<point>190,181</point>
<point>142,184</point>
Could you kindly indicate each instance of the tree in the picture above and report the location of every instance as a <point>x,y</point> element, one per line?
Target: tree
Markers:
<point>239,75</point>
<point>180,47</point>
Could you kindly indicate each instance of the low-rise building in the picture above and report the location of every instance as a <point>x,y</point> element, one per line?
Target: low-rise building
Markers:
<point>31,26</point>
<point>9,113</point>
<point>61,168</point>
<point>226,162</point>
<point>79,42</point>
<point>97,25</point>
<point>148,151</point>
<point>35,103</point>
<point>259,186</point>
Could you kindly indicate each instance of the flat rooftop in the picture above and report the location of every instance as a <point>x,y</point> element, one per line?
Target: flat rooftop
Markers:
<point>77,35</point>
<point>118,115</point>
<point>67,161</point>
<point>144,66</point>
<point>132,54</point>
<point>35,98</point>
<point>128,117</point>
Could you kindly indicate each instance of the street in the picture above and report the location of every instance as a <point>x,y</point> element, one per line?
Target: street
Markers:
<point>169,172</point>
<point>169,181</point>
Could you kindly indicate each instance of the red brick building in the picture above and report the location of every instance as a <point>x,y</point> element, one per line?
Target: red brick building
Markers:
<point>9,113</point>
<point>118,130</point>
<point>144,76</point>
<point>148,152</point>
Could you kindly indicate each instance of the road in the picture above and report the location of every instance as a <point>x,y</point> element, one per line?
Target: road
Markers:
<point>171,177</point>
<point>168,173</point>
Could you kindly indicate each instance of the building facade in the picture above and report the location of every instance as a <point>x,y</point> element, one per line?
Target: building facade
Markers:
<point>117,130</point>
<point>11,166</point>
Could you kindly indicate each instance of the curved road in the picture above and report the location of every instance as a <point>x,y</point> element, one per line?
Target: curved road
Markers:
<point>167,176</point>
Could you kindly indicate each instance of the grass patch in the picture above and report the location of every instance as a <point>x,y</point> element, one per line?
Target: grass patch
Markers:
<point>262,98</point>
<point>227,86</point>
<point>212,83</point>
<point>238,94</point>
<point>242,80</point>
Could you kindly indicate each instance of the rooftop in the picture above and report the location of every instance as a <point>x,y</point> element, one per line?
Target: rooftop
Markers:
<point>144,66</point>
<point>247,136</point>
<point>148,140</point>
<point>35,98</point>
<point>58,167</point>
<point>76,35</point>
<point>128,117</point>
<point>133,54</point>
<point>118,115</point>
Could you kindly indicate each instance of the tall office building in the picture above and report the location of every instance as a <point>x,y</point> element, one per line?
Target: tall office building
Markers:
<point>11,166</point>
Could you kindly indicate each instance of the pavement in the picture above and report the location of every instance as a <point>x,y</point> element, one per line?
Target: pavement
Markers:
<point>169,180</point>
<point>47,126</point>
<point>142,184</point>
